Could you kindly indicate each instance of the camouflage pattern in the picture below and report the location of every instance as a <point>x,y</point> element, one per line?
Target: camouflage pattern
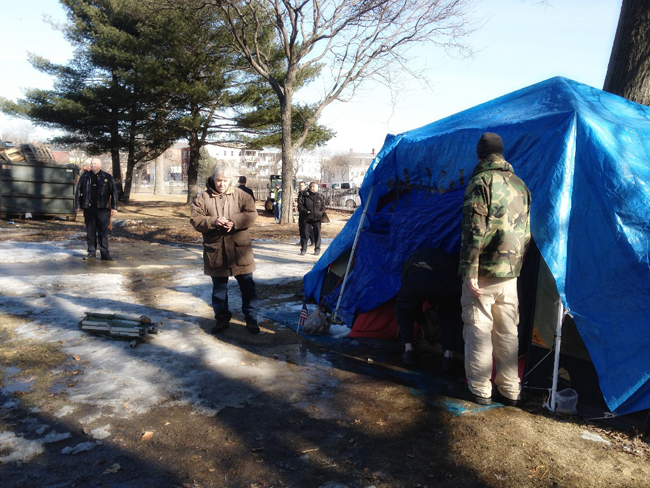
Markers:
<point>496,221</point>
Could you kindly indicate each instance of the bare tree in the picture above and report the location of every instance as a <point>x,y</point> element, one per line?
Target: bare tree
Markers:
<point>19,132</point>
<point>628,72</point>
<point>338,164</point>
<point>348,40</point>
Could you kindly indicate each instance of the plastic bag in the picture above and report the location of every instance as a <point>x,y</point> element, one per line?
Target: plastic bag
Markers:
<point>566,401</point>
<point>318,323</point>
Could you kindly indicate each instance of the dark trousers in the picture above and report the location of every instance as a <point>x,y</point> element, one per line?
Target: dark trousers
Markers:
<point>97,220</point>
<point>249,299</point>
<point>310,229</point>
<point>305,233</point>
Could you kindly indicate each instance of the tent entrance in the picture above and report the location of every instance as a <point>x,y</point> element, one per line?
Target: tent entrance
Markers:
<point>539,308</point>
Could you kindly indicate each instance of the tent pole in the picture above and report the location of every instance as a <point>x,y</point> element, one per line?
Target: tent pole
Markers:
<point>556,362</point>
<point>335,317</point>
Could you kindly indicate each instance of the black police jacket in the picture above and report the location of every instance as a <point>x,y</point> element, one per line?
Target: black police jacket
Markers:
<point>106,191</point>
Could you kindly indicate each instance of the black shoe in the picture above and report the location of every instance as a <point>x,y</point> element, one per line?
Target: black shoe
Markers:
<point>479,400</point>
<point>220,326</point>
<point>90,255</point>
<point>408,358</point>
<point>302,252</point>
<point>316,252</point>
<point>466,394</point>
<point>509,402</point>
<point>447,365</point>
<point>108,258</point>
<point>252,327</point>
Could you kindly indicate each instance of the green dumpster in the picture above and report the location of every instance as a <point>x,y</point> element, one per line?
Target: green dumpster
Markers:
<point>43,190</point>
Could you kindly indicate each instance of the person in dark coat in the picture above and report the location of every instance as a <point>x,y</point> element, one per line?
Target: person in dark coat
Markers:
<point>430,275</point>
<point>311,207</point>
<point>96,195</point>
<point>302,187</point>
<point>242,186</point>
<point>223,215</point>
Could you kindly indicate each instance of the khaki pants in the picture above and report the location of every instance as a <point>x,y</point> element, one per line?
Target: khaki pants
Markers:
<point>490,327</point>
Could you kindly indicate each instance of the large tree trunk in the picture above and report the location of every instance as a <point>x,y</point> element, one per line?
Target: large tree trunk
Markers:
<point>115,159</point>
<point>130,164</point>
<point>115,144</point>
<point>116,168</point>
<point>193,188</point>
<point>159,176</point>
<point>288,153</point>
<point>628,72</point>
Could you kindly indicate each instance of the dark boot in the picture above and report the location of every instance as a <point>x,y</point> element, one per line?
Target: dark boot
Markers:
<point>220,326</point>
<point>252,327</point>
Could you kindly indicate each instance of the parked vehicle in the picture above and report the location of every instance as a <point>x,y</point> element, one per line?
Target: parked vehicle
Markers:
<point>350,200</point>
<point>342,185</point>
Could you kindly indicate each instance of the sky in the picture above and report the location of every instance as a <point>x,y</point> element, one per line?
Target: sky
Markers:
<point>519,43</point>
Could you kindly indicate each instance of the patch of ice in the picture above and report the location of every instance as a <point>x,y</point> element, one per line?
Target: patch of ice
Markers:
<point>11,404</point>
<point>12,252</point>
<point>588,436</point>
<point>84,446</point>
<point>54,437</point>
<point>66,410</point>
<point>101,432</point>
<point>339,331</point>
<point>20,449</point>
<point>177,366</point>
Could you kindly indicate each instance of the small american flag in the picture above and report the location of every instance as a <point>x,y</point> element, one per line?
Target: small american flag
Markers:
<point>303,316</point>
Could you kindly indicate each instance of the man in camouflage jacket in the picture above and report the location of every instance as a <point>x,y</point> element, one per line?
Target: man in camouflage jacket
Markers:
<point>495,234</point>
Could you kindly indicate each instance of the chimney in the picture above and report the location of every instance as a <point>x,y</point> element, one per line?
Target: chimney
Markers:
<point>373,151</point>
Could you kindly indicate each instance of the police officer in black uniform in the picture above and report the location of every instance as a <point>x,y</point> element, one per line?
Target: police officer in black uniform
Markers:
<point>96,194</point>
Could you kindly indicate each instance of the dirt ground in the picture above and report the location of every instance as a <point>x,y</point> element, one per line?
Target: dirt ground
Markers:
<point>347,416</point>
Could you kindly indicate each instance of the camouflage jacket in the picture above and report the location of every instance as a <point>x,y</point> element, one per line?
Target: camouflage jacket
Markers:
<point>496,221</point>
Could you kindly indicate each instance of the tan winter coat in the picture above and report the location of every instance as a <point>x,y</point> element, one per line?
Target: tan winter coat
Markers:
<point>225,253</point>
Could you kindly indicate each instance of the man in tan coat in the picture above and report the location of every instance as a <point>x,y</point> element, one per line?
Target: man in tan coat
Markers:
<point>223,214</point>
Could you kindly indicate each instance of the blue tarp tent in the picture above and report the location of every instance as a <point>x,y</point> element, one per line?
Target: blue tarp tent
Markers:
<point>585,155</point>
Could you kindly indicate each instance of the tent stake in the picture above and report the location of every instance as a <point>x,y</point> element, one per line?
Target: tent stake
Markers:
<point>556,362</point>
<point>335,317</point>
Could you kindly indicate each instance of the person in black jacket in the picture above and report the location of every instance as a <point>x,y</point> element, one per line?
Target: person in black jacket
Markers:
<point>302,188</point>
<point>242,186</point>
<point>311,206</point>
<point>429,275</point>
<point>96,194</point>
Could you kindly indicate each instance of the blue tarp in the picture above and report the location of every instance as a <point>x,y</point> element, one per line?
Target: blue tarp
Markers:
<point>585,155</point>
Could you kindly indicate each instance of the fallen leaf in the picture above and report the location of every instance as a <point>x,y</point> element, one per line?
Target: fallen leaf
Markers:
<point>76,358</point>
<point>147,435</point>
